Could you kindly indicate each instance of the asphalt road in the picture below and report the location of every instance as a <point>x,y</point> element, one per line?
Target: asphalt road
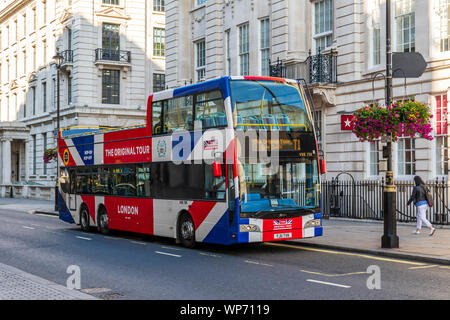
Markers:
<point>127,266</point>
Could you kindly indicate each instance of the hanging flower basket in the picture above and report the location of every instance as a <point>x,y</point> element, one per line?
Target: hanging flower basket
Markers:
<point>402,118</point>
<point>50,154</point>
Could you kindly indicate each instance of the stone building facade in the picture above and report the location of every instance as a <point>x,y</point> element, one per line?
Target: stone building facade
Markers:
<point>338,47</point>
<point>113,59</point>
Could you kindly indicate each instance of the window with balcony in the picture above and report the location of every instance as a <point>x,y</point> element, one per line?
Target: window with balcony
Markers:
<point>405,24</point>
<point>110,86</point>
<point>323,24</point>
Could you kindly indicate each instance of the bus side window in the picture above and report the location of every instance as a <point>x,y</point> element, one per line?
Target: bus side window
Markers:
<point>157,117</point>
<point>215,187</point>
<point>73,181</point>
<point>143,181</point>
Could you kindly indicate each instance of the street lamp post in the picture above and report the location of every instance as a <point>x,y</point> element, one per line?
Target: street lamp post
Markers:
<point>58,59</point>
<point>389,238</point>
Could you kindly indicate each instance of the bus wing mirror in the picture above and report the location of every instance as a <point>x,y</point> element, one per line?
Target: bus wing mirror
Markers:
<point>217,169</point>
<point>322,166</point>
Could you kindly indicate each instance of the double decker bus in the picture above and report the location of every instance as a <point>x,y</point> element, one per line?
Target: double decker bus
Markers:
<point>227,161</point>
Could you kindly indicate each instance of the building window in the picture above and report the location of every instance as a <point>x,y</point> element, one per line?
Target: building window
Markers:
<point>405,24</point>
<point>159,5</point>
<point>159,82</point>
<point>33,93</point>
<point>113,2</point>
<point>110,86</point>
<point>227,53</point>
<point>374,158</point>
<point>44,96</point>
<point>441,135</point>
<point>318,126</point>
<point>159,40</point>
<point>376,34</point>
<point>323,24</point>
<point>69,90</point>
<point>406,156</point>
<point>110,36</point>
<point>445,25</point>
<point>200,61</point>
<point>200,2</point>
<point>45,148</point>
<point>265,47</point>
<point>244,47</point>
<point>34,155</point>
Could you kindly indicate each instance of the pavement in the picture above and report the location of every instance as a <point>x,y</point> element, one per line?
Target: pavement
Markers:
<point>16,284</point>
<point>364,236</point>
<point>349,235</point>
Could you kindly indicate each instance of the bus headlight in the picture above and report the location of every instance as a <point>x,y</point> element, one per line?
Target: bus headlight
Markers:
<point>312,223</point>
<point>249,228</point>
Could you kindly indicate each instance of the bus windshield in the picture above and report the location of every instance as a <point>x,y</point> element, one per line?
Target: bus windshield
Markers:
<point>293,187</point>
<point>268,105</point>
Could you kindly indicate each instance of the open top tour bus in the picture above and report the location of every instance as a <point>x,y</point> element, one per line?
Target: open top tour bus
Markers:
<point>227,161</point>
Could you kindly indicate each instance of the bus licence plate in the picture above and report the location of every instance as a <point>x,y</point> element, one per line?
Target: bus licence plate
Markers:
<point>282,235</point>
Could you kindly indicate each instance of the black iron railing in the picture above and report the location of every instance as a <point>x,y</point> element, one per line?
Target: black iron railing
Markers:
<point>364,200</point>
<point>68,56</point>
<point>112,55</point>
<point>319,68</point>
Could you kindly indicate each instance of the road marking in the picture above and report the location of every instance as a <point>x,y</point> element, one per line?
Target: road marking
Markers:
<point>329,283</point>
<point>345,253</point>
<point>424,267</point>
<point>443,267</point>
<point>333,275</point>
<point>83,238</point>
<point>168,254</point>
<point>171,248</point>
<point>258,263</point>
<point>137,242</point>
<point>31,228</point>
<point>209,254</point>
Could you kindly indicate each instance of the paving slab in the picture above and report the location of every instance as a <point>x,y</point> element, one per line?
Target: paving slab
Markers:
<point>16,284</point>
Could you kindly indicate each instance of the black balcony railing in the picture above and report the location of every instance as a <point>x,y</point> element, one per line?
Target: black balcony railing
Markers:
<point>68,56</point>
<point>112,55</point>
<point>319,68</point>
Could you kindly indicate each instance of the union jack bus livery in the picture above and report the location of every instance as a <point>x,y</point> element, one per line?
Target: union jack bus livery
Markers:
<point>227,161</point>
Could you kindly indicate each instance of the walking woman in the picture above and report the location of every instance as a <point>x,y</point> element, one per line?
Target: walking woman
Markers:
<point>419,196</point>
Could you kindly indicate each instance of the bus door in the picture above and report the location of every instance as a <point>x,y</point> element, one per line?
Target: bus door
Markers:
<point>72,198</point>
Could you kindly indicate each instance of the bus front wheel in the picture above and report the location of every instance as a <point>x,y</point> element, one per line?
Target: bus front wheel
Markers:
<point>186,231</point>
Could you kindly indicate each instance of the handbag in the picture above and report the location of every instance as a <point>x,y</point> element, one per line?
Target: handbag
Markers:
<point>428,196</point>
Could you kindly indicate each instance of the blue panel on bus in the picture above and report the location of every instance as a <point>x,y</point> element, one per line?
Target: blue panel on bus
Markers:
<point>85,148</point>
<point>204,86</point>
<point>318,231</point>
<point>220,233</point>
<point>64,213</point>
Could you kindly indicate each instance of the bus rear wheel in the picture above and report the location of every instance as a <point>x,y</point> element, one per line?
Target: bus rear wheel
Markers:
<point>103,221</point>
<point>186,231</point>
<point>84,219</point>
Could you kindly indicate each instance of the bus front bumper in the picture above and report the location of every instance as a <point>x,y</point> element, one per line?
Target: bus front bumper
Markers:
<point>261,230</point>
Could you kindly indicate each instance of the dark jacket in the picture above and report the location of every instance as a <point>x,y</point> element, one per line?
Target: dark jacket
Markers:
<point>418,194</point>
